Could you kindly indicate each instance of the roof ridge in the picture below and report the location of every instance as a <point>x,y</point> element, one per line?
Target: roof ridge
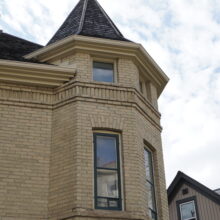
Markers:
<point>109,19</point>
<point>82,17</point>
<point>61,26</point>
<point>88,18</point>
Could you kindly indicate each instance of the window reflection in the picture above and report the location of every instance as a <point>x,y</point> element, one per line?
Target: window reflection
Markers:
<point>106,152</point>
<point>103,72</point>
<point>101,202</point>
<point>107,183</point>
<point>150,184</point>
<point>188,211</point>
<point>148,168</point>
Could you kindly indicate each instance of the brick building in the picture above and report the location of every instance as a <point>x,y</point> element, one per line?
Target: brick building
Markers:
<point>80,134</point>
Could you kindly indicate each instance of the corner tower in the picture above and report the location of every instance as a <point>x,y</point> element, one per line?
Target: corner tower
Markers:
<point>104,155</point>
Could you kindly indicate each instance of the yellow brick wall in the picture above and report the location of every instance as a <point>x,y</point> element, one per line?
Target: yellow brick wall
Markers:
<point>47,170</point>
<point>24,161</point>
<point>62,192</point>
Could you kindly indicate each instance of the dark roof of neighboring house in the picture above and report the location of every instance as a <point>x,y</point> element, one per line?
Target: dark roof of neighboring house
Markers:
<point>14,48</point>
<point>217,191</point>
<point>88,19</point>
<point>181,179</point>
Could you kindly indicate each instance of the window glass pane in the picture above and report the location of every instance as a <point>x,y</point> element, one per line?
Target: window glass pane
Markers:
<point>113,203</point>
<point>107,183</point>
<point>100,65</point>
<point>101,202</point>
<point>106,152</point>
<point>148,165</point>
<point>151,198</point>
<point>103,72</point>
<point>187,210</point>
<point>141,86</point>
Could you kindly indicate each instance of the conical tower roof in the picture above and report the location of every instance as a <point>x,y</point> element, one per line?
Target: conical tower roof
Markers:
<point>88,19</point>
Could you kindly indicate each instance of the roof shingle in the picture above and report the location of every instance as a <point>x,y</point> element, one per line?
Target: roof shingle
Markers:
<point>88,19</point>
<point>14,48</point>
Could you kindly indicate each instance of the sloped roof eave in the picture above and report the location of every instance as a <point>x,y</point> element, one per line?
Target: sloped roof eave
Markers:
<point>34,74</point>
<point>182,178</point>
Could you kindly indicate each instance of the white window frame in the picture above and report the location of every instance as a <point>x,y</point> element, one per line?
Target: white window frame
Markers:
<point>106,60</point>
<point>193,218</point>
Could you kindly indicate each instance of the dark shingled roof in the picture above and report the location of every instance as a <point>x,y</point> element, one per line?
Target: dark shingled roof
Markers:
<point>14,48</point>
<point>182,178</point>
<point>88,19</point>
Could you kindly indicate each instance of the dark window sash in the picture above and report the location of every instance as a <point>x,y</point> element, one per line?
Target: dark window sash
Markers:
<point>153,214</point>
<point>103,65</point>
<point>151,171</point>
<point>151,182</point>
<point>96,168</point>
<point>105,168</point>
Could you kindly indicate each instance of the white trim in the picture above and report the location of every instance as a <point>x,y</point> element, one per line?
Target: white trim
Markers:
<point>76,43</point>
<point>82,19</point>
<point>34,74</point>
<point>109,61</point>
<point>191,218</point>
<point>37,66</point>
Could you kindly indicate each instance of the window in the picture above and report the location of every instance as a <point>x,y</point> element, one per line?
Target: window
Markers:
<point>148,159</point>
<point>107,171</point>
<point>187,209</point>
<point>145,87</point>
<point>141,86</point>
<point>103,72</point>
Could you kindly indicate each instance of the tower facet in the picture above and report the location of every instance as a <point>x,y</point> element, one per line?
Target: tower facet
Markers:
<point>84,114</point>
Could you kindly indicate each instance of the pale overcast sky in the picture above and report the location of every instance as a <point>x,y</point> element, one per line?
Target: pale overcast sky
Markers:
<point>183,36</point>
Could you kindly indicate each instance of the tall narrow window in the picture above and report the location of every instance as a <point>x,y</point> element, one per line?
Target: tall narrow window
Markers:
<point>150,184</point>
<point>103,72</point>
<point>107,171</point>
<point>141,86</point>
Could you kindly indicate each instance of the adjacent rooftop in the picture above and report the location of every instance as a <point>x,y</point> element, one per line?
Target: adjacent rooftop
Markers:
<point>14,48</point>
<point>182,178</point>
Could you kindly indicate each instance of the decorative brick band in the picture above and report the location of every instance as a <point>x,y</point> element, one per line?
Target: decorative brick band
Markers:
<point>79,91</point>
<point>106,123</point>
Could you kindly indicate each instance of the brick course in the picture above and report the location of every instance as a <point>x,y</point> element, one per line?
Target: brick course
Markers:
<point>25,135</point>
<point>46,139</point>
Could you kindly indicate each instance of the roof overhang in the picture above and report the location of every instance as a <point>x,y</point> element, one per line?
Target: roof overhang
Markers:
<point>34,74</point>
<point>97,46</point>
<point>181,179</point>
